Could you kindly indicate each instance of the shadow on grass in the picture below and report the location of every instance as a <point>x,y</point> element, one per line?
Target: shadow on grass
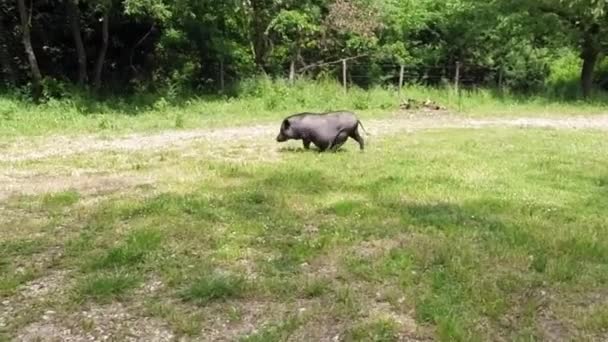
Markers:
<point>282,203</point>
<point>462,262</point>
<point>313,149</point>
<point>291,149</point>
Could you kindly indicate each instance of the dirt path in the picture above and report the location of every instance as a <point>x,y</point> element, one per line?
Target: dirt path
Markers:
<point>26,149</point>
<point>249,140</point>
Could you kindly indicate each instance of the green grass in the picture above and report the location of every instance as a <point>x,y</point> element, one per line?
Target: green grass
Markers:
<point>133,251</point>
<point>597,319</point>
<point>182,320</point>
<point>473,234</point>
<point>21,247</point>
<point>103,287</point>
<point>14,271</point>
<point>214,287</point>
<point>381,330</point>
<point>10,280</point>
<point>261,101</point>
<point>60,199</point>
<point>275,332</point>
<point>316,287</point>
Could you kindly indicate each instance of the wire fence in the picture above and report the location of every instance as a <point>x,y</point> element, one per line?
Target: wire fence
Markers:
<point>354,71</point>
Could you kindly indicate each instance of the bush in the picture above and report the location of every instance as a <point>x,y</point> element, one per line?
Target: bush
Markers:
<point>563,80</point>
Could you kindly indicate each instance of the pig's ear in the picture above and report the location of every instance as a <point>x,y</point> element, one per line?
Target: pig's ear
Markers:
<point>286,124</point>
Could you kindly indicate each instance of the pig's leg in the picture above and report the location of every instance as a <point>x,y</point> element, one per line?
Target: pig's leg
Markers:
<point>339,140</point>
<point>321,145</point>
<point>355,135</point>
<point>306,143</point>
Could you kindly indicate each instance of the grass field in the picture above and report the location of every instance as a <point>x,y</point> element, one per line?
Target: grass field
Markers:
<point>444,234</point>
<point>72,112</point>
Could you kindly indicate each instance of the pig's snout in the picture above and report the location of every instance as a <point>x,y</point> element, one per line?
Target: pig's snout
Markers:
<point>281,137</point>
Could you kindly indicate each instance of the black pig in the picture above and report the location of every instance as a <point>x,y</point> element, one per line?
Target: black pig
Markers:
<point>328,131</point>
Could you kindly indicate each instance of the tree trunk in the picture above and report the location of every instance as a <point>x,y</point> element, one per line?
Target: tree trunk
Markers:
<point>590,51</point>
<point>74,18</point>
<point>29,50</point>
<point>102,52</point>
<point>258,33</point>
<point>6,65</point>
<point>587,74</point>
<point>590,55</point>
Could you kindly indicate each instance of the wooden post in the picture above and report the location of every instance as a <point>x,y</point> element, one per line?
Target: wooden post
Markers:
<point>344,75</point>
<point>500,75</point>
<point>401,71</point>
<point>457,77</point>
<point>222,75</point>
<point>292,71</point>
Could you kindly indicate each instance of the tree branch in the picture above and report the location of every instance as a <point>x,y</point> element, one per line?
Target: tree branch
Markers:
<point>29,19</point>
<point>137,44</point>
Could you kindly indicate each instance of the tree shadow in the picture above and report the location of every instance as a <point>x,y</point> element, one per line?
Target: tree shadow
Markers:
<point>268,214</point>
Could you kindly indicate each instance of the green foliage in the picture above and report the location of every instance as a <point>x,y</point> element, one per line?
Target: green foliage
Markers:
<point>157,9</point>
<point>294,27</point>
<point>184,47</point>
<point>563,77</point>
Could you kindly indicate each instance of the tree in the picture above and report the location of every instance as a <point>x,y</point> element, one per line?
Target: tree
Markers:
<point>29,50</point>
<point>73,13</point>
<point>351,26</point>
<point>586,21</point>
<point>6,65</point>
<point>165,45</point>
<point>260,19</point>
<point>297,30</point>
<point>105,39</point>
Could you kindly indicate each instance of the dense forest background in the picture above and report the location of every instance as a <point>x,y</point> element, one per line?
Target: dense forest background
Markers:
<point>114,47</point>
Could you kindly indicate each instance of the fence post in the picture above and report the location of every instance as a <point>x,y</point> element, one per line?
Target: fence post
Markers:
<point>222,75</point>
<point>292,71</point>
<point>500,78</point>
<point>457,78</point>
<point>344,75</point>
<point>401,71</point>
